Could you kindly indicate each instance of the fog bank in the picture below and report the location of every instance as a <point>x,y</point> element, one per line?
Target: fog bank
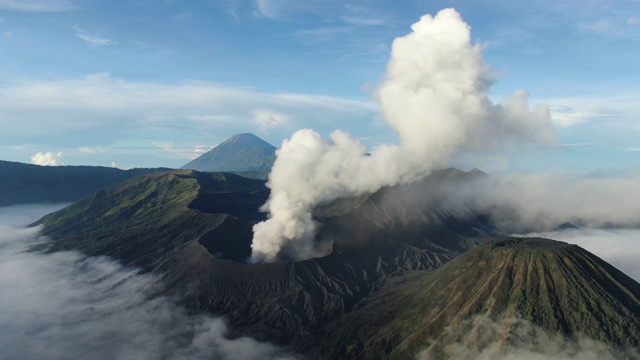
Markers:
<point>65,305</point>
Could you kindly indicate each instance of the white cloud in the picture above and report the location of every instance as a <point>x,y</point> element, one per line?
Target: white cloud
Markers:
<point>92,150</point>
<point>619,105</point>
<point>268,119</point>
<point>544,201</point>
<point>185,150</point>
<point>67,306</point>
<point>632,20</point>
<point>46,159</point>
<point>37,5</point>
<point>267,8</point>
<point>363,21</point>
<point>8,34</point>
<point>183,16</point>
<point>619,247</point>
<point>114,106</point>
<point>580,144</point>
<point>93,39</point>
<point>597,26</point>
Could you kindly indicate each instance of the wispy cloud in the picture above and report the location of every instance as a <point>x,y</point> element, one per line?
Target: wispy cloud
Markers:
<point>8,34</point>
<point>599,26</point>
<point>580,144</point>
<point>267,8</point>
<point>634,149</point>
<point>91,150</point>
<point>268,119</point>
<point>184,16</point>
<point>632,20</point>
<point>37,5</point>
<point>186,150</point>
<point>100,105</point>
<point>363,21</point>
<point>93,39</point>
<point>321,34</point>
<point>616,105</point>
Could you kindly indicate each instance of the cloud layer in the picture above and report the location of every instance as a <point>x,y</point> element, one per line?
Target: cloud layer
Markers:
<point>37,5</point>
<point>495,338</point>
<point>619,247</point>
<point>125,117</point>
<point>64,305</point>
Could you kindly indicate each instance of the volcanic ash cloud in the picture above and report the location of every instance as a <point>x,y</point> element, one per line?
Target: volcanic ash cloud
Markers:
<point>434,95</point>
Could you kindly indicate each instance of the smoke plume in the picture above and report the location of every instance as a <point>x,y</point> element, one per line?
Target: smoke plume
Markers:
<point>65,305</point>
<point>434,96</point>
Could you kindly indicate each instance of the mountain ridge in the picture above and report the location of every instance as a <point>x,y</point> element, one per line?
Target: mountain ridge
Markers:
<point>27,183</point>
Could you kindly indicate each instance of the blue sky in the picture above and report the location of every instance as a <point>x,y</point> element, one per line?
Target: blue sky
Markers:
<point>154,83</point>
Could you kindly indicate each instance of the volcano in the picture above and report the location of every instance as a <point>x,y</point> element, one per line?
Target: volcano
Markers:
<point>403,275</point>
<point>239,153</point>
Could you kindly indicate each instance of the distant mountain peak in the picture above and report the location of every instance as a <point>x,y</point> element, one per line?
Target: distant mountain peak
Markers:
<point>248,139</point>
<point>241,152</point>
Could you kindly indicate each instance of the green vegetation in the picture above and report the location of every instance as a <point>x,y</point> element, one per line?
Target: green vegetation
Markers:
<point>142,220</point>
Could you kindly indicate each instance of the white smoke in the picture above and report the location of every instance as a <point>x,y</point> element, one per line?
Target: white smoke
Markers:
<point>434,95</point>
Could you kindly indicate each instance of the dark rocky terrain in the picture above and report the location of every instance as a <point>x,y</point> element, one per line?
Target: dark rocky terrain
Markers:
<point>394,284</point>
<point>241,152</point>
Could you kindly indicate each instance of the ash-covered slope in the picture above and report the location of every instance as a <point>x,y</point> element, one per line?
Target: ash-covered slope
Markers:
<point>29,184</point>
<point>240,153</point>
<point>506,293</point>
